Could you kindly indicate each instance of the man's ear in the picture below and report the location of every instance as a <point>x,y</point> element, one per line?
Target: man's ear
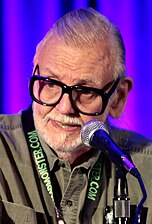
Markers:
<point>120,97</point>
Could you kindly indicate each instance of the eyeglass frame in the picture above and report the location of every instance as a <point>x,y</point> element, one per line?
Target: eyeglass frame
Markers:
<point>105,96</point>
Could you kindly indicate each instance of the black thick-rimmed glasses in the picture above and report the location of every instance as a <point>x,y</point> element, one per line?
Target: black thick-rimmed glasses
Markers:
<point>85,100</point>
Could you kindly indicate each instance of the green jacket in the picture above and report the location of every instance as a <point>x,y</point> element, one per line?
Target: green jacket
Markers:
<point>24,198</point>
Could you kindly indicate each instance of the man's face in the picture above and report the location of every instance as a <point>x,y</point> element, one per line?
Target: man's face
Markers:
<point>60,125</point>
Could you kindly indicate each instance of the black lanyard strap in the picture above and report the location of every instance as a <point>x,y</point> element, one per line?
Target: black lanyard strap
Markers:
<point>94,190</point>
<point>38,154</point>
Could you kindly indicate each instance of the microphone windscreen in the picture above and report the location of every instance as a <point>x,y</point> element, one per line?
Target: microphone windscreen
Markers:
<point>89,128</point>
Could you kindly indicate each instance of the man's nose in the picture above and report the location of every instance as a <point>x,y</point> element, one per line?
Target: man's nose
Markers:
<point>65,106</point>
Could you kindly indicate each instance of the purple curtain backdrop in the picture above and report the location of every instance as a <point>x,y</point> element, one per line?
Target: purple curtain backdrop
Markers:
<point>24,23</point>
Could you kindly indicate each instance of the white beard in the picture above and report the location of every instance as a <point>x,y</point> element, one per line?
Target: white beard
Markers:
<point>60,143</point>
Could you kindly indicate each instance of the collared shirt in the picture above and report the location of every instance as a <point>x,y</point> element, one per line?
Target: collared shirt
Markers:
<point>73,184</point>
<point>24,196</point>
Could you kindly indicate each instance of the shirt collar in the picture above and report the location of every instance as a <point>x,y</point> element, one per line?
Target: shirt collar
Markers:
<point>53,159</point>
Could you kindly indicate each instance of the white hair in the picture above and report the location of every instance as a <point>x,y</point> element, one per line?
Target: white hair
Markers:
<point>84,28</point>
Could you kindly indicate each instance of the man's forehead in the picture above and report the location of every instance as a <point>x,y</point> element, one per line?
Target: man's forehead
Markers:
<point>93,60</point>
<point>58,50</point>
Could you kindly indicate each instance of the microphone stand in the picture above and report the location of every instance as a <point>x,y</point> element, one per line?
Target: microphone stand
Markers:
<point>121,200</point>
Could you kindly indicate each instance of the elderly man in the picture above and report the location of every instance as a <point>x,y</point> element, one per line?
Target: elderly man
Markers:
<point>48,175</point>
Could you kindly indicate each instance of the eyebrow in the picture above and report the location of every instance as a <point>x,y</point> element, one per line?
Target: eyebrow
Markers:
<point>83,81</point>
<point>50,72</point>
<point>86,81</point>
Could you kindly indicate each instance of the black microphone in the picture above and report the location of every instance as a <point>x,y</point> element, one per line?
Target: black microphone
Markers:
<point>95,134</point>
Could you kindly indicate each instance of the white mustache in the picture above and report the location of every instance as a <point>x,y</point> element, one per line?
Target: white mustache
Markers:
<point>64,119</point>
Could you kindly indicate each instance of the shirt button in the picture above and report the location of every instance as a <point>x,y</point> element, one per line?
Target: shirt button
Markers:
<point>61,164</point>
<point>69,203</point>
